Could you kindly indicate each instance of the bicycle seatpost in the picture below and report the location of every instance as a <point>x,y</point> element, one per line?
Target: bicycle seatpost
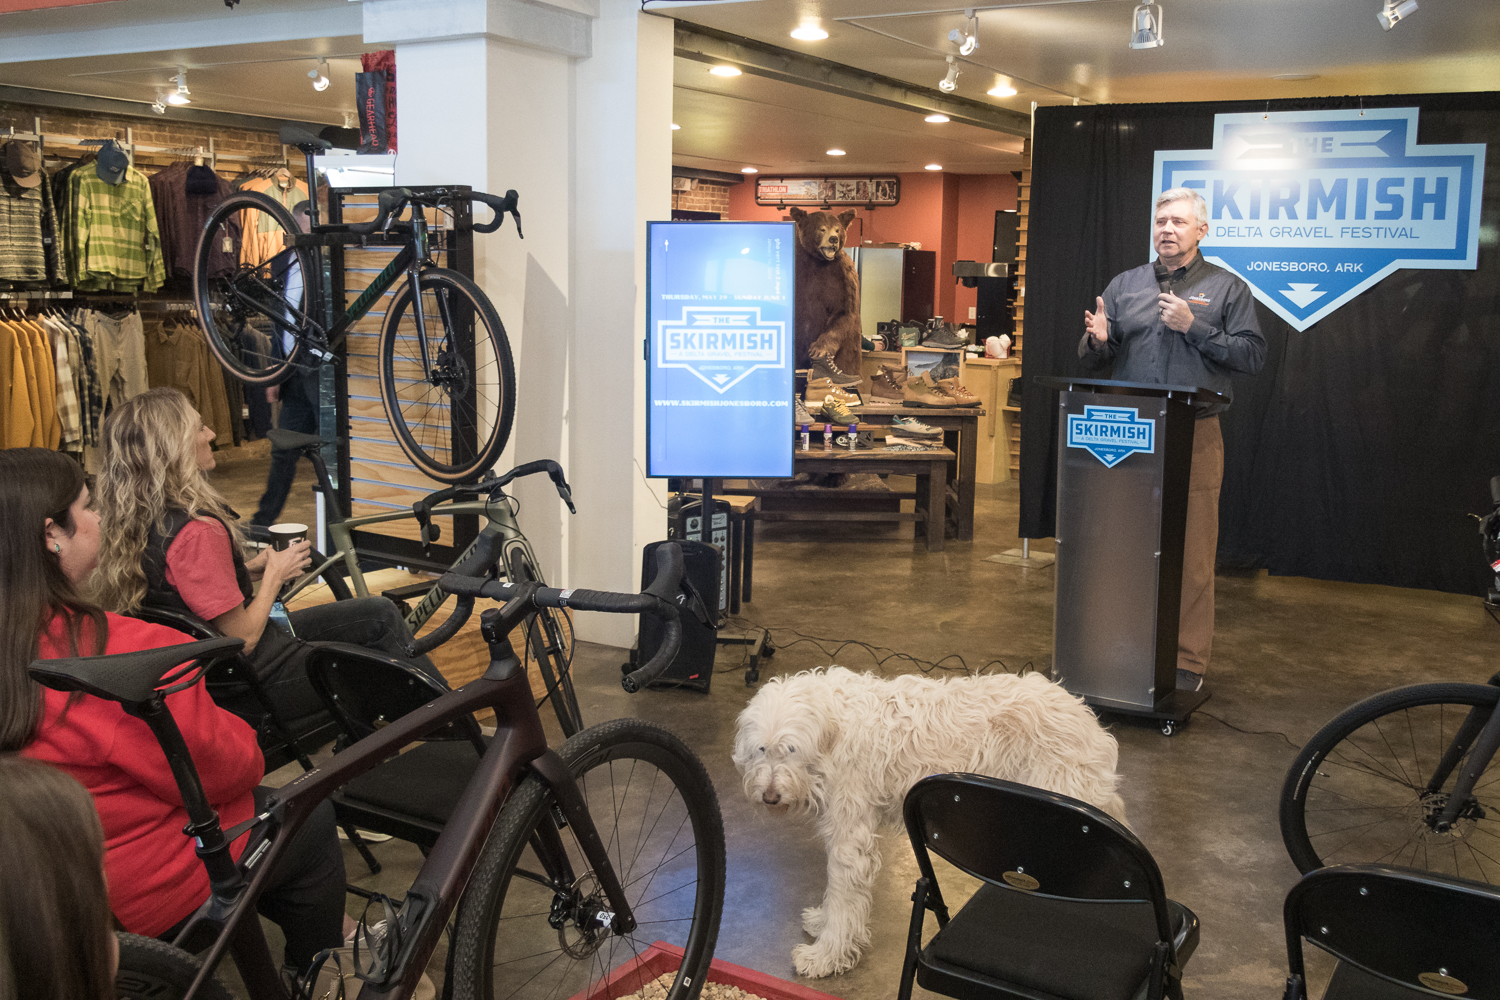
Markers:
<point>325,482</point>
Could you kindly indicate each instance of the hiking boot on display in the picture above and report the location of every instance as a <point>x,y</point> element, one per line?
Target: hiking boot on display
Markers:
<point>911,427</point>
<point>944,335</point>
<point>886,384</point>
<point>823,367</point>
<point>961,396</point>
<point>821,389</point>
<point>836,411</point>
<point>922,391</point>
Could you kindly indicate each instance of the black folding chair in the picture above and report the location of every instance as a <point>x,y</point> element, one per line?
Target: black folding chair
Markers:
<point>1071,906</point>
<point>280,741</point>
<point>410,796</point>
<point>1397,933</point>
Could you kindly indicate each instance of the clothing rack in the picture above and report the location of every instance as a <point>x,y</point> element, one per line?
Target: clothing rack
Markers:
<point>210,153</point>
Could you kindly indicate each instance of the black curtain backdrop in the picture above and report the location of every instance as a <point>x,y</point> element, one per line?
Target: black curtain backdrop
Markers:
<point>1365,442</point>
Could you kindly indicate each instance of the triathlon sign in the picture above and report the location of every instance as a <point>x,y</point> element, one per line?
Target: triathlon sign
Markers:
<point>1111,433</point>
<point>1311,208</point>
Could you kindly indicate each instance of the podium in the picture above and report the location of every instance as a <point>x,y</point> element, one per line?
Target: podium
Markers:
<point>1124,454</point>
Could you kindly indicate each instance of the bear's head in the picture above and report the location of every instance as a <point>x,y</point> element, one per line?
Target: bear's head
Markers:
<point>821,233</point>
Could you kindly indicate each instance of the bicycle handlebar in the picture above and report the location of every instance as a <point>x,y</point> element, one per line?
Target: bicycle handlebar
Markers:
<point>422,509</point>
<point>393,200</point>
<point>660,599</point>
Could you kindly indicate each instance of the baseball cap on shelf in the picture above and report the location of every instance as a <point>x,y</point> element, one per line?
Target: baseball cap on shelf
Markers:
<point>23,164</point>
<point>112,164</point>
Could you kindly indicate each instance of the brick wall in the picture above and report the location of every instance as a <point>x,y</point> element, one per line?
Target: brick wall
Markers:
<point>706,196</point>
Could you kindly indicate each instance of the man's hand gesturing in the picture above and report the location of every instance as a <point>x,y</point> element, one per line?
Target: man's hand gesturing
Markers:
<point>1097,323</point>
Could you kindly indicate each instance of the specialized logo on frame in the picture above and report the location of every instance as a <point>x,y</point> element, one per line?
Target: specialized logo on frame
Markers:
<point>720,344</point>
<point>1111,433</point>
<point>1313,207</point>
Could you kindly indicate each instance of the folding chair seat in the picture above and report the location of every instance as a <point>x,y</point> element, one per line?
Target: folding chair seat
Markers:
<point>1071,906</point>
<point>1397,933</point>
<point>411,795</point>
<point>281,741</point>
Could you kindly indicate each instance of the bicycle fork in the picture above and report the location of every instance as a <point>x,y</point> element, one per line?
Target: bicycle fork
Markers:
<point>1478,738</point>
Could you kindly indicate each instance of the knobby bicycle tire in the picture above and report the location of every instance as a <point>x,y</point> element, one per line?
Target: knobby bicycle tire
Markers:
<point>1357,791</point>
<point>245,340</point>
<point>549,649</point>
<point>659,819</point>
<point>154,970</point>
<point>453,418</point>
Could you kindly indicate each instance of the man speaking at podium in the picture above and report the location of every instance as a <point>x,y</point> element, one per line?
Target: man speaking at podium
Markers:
<point>1182,321</point>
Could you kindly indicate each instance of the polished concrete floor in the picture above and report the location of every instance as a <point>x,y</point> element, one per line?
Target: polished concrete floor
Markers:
<point>1289,654</point>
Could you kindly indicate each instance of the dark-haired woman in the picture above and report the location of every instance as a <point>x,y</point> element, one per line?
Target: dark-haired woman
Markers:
<point>56,937</point>
<point>49,544</point>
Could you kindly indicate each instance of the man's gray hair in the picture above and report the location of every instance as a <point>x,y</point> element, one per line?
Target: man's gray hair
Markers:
<point>1200,207</point>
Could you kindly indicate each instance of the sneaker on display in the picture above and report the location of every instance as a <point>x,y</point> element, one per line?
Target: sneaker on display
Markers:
<point>922,391</point>
<point>836,411</point>
<point>886,384</point>
<point>944,335</point>
<point>800,415</point>
<point>911,427</point>
<point>824,368</point>
<point>961,396</point>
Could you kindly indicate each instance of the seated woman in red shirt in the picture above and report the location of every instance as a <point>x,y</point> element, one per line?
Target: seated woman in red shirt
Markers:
<point>171,541</point>
<point>49,544</point>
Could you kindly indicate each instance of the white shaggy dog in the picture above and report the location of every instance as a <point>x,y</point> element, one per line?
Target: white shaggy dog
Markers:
<point>844,749</point>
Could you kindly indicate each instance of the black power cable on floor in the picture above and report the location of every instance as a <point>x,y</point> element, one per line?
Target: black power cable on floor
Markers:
<point>839,645</point>
<point>1249,732</point>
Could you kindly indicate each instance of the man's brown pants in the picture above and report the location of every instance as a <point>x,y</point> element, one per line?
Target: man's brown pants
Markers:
<point>1195,629</point>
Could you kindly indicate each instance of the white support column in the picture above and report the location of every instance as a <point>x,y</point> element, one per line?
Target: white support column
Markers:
<point>623,158</point>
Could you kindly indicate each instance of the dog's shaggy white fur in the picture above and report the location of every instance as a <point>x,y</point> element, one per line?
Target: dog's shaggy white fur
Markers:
<point>844,749</point>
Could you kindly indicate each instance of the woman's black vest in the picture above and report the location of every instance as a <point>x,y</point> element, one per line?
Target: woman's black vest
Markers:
<point>159,593</point>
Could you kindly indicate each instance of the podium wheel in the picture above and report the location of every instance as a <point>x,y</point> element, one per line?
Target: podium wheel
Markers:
<point>1169,728</point>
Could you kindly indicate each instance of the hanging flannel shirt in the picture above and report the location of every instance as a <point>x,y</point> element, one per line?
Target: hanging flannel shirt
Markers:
<point>91,394</point>
<point>69,416</point>
<point>23,259</point>
<point>114,229</point>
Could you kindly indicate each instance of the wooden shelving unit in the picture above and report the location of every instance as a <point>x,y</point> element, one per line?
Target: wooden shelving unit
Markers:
<point>1023,212</point>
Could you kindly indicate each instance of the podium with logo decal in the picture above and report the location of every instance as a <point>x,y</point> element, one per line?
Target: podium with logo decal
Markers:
<point>1124,453</point>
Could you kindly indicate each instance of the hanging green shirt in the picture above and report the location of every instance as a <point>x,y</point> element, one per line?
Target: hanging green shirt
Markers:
<point>114,230</point>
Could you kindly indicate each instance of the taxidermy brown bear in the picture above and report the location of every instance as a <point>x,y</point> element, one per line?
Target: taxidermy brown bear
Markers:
<point>827,307</point>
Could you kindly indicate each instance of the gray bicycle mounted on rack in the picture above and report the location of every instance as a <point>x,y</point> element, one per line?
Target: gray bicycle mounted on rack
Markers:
<point>555,869</point>
<point>500,549</point>
<point>1408,776</point>
<point>447,379</point>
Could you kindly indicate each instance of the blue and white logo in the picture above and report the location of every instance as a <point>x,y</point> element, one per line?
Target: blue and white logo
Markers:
<point>721,344</point>
<point>1313,207</point>
<point>1111,433</point>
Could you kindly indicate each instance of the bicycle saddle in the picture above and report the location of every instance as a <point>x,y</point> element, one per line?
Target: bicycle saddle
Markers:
<point>286,440</point>
<point>304,140</point>
<point>128,678</point>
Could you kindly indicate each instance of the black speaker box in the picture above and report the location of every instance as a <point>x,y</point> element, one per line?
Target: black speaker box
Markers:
<point>693,667</point>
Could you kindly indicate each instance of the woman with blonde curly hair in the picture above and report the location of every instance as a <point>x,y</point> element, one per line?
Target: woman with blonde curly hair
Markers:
<point>169,540</point>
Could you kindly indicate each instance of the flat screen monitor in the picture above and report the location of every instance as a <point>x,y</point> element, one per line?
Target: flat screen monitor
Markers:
<point>719,301</point>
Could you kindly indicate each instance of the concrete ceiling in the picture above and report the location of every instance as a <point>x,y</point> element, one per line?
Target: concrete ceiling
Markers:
<point>1055,53</point>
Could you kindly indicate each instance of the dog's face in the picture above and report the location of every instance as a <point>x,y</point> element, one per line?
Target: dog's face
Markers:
<point>776,749</point>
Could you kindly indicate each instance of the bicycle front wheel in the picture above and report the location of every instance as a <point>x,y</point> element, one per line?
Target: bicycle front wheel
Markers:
<point>549,641</point>
<point>1363,791</point>
<point>528,933</point>
<point>252,289</point>
<point>448,384</point>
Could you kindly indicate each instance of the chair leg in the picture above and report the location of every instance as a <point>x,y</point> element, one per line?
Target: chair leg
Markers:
<point>361,847</point>
<point>1296,989</point>
<point>913,938</point>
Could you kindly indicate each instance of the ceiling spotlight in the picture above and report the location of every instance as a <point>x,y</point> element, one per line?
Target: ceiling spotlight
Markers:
<point>180,95</point>
<point>319,76</point>
<point>1145,31</point>
<point>934,166</point>
<point>809,33</point>
<point>160,104</point>
<point>967,41</point>
<point>749,170</point>
<point>936,119</point>
<point>835,152</point>
<point>725,71</point>
<point>947,83</point>
<point>1002,90</point>
<point>1393,12</point>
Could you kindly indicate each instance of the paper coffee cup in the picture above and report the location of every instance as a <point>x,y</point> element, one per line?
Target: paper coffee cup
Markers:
<point>283,535</point>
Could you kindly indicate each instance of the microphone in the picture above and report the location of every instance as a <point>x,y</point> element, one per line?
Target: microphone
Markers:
<point>1163,275</point>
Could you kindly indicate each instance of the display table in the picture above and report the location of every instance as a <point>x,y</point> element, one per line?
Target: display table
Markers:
<point>963,422</point>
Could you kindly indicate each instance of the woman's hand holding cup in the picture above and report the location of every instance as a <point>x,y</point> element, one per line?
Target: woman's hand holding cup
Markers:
<point>289,555</point>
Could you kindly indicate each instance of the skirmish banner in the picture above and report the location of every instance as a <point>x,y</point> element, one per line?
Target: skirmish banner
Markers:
<point>1313,207</point>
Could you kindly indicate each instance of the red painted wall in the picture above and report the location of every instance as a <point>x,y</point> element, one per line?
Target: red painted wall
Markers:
<point>953,214</point>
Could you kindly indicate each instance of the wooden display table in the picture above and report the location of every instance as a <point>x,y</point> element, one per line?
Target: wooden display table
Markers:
<point>963,421</point>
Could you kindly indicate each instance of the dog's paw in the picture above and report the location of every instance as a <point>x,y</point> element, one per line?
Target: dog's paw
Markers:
<point>818,960</point>
<point>813,920</point>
